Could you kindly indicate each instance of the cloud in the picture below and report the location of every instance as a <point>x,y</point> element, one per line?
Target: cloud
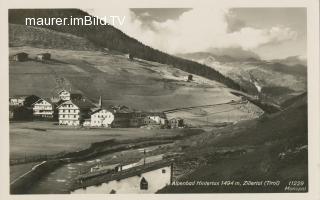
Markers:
<point>237,53</point>
<point>249,38</point>
<point>234,24</point>
<point>145,14</point>
<point>201,29</point>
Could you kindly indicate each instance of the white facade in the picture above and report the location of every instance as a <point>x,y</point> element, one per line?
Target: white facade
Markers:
<point>43,108</point>
<point>64,95</point>
<point>69,114</point>
<point>87,122</point>
<point>16,101</point>
<point>102,118</point>
<point>156,180</point>
<point>154,120</point>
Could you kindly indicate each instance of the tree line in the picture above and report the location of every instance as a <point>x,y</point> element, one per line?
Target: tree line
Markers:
<point>110,37</point>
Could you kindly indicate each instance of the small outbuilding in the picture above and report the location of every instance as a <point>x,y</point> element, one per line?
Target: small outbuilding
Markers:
<point>66,95</point>
<point>22,56</point>
<point>176,123</point>
<point>43,56</point>
<point>130,56</point>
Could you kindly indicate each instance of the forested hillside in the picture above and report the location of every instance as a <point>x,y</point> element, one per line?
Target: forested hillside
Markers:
<point>113,39</point>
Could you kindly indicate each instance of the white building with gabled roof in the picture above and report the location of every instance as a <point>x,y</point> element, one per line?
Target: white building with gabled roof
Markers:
<point>74,112</point>
<point>66,95</point>
<point>101,118</point>
<point>43,108</point>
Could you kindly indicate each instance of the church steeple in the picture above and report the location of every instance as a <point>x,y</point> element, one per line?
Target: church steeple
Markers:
<point>100,102</point>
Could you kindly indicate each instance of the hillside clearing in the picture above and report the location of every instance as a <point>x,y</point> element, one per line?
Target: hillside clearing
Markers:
<point>139,84</point>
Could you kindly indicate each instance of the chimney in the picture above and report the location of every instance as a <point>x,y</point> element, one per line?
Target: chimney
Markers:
<point>100,102</point>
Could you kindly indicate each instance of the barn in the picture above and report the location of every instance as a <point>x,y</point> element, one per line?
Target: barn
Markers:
<point>22,56</point>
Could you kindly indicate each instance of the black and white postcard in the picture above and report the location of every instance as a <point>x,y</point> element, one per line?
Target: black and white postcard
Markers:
<point>160,97</point>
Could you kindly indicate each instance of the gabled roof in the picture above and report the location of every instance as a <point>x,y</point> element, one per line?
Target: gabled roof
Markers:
<point>74,94</point>
<point>81,104</point>
<point>160,114</point>
<point>63,91</point>
<point>58,103</point>
<point>176,118</point>
<point>21,96</point>
<point>19,53</point>
<point>95,110</point>
<point>121,109</point>
<point>44,99</point>
<point>106,177</point>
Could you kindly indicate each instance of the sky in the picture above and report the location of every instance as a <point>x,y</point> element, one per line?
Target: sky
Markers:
<point>271,33</point>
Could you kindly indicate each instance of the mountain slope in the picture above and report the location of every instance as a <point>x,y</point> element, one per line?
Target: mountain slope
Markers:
<point>20,35</point>
<point>139,84</point>
<point>113,39</point>
<point>272,81</point>
<point>292,61</point>
<point>271,148</point>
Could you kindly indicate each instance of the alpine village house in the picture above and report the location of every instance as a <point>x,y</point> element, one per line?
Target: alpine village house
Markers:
<point>73,112</point>
<point>44,108</point>
<point>72,109</point>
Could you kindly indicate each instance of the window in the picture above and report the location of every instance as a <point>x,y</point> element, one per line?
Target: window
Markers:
<point>143,184</point>
<point>163,171</point>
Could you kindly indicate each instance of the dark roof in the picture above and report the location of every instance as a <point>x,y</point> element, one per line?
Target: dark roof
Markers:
<point>19,53</point>
<point>176,118</point>
<point>121,109</point>
<point>83,104</point>
<point>23,96</point>
<point>59,102</point>
<point>75,95</point>
<point>160,114</point>
<point>95,110</point>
